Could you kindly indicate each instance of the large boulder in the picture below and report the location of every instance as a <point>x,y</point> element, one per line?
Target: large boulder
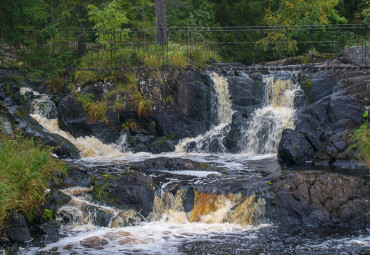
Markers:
<point>245,92</point>
<point>131,191</point>
<point>73,118</point>
<point>336,108</point>
<point>356,55</point>
<point>186,107</point>
<point>232,139</point>
<point>17,230</point>
<point>294,148</point>
<point>61,146</point>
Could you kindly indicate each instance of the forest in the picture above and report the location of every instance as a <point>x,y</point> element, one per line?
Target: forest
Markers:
<point>31,27</point>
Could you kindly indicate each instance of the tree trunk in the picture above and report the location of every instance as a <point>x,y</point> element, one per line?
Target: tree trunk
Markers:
<point>161,21</point>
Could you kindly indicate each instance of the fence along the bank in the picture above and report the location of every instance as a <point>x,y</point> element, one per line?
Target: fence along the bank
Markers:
<point>135,48</point>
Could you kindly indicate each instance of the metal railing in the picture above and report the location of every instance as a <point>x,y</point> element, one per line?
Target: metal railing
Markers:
<point>133,48</point>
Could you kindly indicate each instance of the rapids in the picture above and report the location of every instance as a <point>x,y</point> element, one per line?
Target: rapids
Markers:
<point>231,211</point>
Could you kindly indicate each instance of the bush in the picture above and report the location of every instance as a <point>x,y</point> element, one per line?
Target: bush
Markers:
<point>25,167</point>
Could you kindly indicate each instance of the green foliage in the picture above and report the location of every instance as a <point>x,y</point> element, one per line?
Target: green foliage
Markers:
<point>97,111</point>
<point>360,143</point>
<point>143,106</point>
<point>85,77</point>
<point>366,114</point>
<point>366,12</point>
<point>47,215</point>
<point>25,167</point>
<point>296,12</point>
<point>169,100</point>
<point>111,15</point>
<point>85,100</point>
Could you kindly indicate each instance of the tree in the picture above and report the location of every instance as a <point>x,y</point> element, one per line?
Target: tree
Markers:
<point>296,12</point>
<point>161,22</point>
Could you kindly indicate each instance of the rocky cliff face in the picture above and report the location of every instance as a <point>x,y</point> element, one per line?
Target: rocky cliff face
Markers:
<point>335,103</point>
<point>315,198</point>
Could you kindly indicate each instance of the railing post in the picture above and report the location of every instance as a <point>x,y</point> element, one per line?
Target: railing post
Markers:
<point>365,46</point>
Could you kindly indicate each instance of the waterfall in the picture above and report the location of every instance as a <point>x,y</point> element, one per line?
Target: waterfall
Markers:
<point>167,208</point>
<point>263,131</point>
<point>211,141</point>
<point>45,113</point>
<point>224,110</point>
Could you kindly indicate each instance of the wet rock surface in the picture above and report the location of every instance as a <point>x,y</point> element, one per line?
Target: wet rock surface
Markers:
<point>17,230</point>
<point>131,191</point>
<point>316,198</point>
<point>56,199</point>
<point>336,103</point>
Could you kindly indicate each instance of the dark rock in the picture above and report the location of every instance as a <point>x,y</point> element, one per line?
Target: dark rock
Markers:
<point>72,117</point>
<point>131,191</point>
<point>162,145</point>
<point>355,55</point>
<point>319,85</point>
<point>244,91</point>
<point>299,99</point>
<point>315,198</point>
<point>294,148</point>
<point>99,217</point>
<point>51,231</point>
<point>149,143</point>
<point>335,109</point>
<point>170,164</point>
<point>62,147</point>
<point>232,139</point>
<point>76,176</point>
<point>190,113</point>
<point>188,202</point>
<point>94,89</point>
<point>56,199</point>
<point>17,230</point>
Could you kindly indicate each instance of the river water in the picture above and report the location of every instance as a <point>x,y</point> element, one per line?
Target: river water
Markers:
<point>229,215</point>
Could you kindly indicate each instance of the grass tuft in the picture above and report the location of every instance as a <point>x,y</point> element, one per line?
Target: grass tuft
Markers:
<point>25,168</point>
<point>143,106</point>
<point>360,143</point>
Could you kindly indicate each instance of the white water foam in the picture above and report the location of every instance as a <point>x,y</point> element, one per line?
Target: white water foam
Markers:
<point>263,132</point>
<point>88,146</point>
<point>203,142</point>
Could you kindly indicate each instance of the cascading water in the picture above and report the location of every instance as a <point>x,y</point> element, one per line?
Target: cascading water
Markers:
<point>211,141</point>
<point>44,112</point>
<point>263,131</point>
